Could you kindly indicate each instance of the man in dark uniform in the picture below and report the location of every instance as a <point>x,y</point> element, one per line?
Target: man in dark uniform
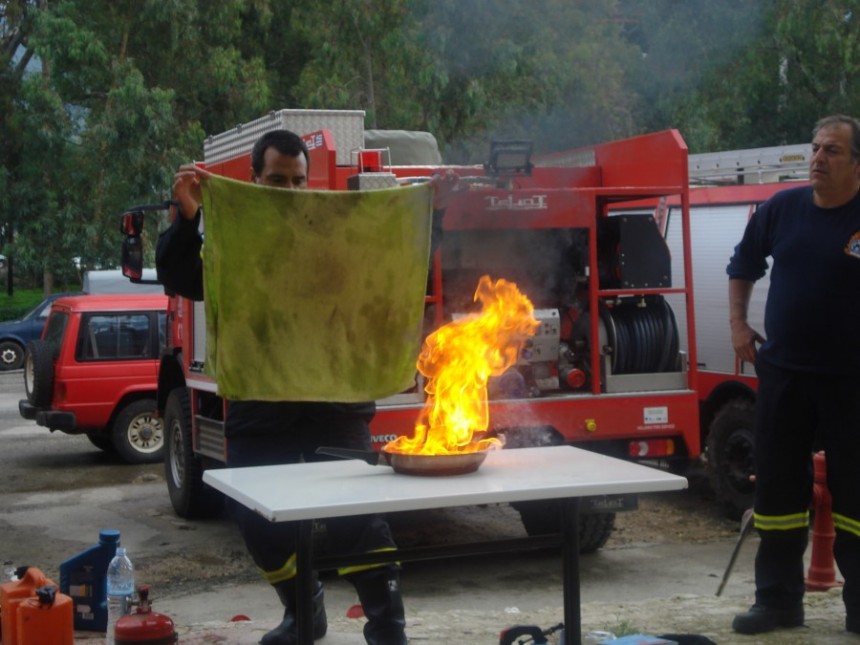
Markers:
<point>262,433</point>
<point>808,370</point>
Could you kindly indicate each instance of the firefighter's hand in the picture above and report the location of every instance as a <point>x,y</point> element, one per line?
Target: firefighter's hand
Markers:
<point>443,187</point>
<point>744,339</point>
<point>186,189</point>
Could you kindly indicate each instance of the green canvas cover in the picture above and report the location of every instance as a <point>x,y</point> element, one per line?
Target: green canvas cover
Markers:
<point>314,295</point>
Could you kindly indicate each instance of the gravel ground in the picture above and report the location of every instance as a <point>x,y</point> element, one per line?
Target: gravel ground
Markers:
<point>665,519</point>
<point>692,614</point>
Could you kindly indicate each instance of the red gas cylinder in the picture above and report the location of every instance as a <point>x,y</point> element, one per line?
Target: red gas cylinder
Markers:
<point>144,626</point>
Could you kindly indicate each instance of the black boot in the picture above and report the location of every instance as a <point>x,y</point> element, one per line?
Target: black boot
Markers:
<point>379,593</point>
<point>286,633</point>
<point>760,619</point>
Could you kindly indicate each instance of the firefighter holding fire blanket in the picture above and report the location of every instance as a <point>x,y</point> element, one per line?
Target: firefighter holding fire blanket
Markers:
<point>808,366</point>
<point>267,432</point>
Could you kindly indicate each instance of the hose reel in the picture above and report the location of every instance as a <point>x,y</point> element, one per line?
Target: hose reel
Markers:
<point>641,335</point>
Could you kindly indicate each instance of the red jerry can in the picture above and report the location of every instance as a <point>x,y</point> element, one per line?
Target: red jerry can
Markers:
<point>46,619</point>
<point>144,626</point>
<point>12,594</point>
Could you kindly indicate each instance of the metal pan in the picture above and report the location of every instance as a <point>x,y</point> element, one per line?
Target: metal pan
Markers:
<point>408,464</point>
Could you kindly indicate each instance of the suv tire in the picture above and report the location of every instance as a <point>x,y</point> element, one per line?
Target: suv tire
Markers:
<point>138,433</point>
<point>11,355</point>
<point>101,440</point>
<point>39,373</point>
<point>191,498</point>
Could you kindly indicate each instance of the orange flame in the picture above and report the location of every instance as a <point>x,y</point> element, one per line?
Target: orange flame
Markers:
<point>458,359</point>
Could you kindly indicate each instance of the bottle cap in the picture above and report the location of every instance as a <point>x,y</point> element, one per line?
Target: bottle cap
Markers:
<point>109,536</point>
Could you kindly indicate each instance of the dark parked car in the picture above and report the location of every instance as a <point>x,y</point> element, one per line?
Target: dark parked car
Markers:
<point>15,334</point>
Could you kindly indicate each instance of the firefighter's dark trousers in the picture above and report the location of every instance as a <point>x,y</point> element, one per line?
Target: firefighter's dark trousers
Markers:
<point>267,433</point>
<point>795,413</point>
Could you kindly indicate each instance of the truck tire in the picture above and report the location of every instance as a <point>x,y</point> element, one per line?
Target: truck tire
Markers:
<point>191,498</point>
<point>544,517</point>
<point>101,440</point>
<point>11,355</point>
<point>730,456</point>
<point>39,373</point>
<point>138,433</point>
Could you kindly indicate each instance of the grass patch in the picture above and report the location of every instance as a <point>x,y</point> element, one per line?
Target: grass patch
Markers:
<point>623,629</point>
<point>23,300</point>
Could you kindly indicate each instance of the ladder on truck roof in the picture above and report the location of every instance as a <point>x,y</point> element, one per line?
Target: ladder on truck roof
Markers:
<point>751,166</point>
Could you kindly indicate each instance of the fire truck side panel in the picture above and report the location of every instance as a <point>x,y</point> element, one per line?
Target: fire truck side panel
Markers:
<point>714,231</point>
<point>625,163</point>
<point>623,420</point>
<point>536,231</point>
<point>231,167</point>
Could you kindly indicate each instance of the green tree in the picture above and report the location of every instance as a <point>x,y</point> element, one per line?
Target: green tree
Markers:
<point>799,61</point>
<point>16,23</point>
<point>116,94</point>
<point>100,100</point>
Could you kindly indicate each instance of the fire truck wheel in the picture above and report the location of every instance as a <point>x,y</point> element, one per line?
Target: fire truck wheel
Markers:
<point>544,517</point>
<point>39,373</point>
<point>730,456</point>
<point>138,433</point>
<point>191,498</point>
<point>594,531</point>
<point>11,355</point>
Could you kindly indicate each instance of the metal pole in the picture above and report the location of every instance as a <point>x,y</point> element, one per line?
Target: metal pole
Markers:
<point>304,582</point>
<point>570,567</point>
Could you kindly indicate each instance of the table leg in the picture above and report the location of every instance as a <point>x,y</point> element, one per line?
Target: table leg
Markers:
<point>570,575</point>
<point>304,582</point>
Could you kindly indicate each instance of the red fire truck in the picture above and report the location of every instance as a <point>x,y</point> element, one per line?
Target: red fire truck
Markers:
<point>725,190</point>
<point>605,370</point>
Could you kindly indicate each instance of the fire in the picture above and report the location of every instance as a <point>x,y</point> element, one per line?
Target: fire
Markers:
<point>458,359</point>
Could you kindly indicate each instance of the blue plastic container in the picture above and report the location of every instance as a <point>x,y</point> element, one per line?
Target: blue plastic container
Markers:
<point>84,578</point>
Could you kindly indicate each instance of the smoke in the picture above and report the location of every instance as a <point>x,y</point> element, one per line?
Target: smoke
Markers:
<point>580,73</point>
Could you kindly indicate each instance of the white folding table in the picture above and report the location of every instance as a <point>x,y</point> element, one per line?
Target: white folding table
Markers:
<point>306,492</point>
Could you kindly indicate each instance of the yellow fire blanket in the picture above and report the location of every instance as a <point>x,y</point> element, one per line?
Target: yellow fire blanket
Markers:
<point>314,295</point>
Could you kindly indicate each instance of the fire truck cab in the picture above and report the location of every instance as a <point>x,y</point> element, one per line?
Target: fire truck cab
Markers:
<point>605,370</point>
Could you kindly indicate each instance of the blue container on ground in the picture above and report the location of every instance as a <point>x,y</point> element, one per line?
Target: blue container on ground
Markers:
<point>84,578</point>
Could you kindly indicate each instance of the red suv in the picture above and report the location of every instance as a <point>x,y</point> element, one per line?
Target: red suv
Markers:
<point>95,372</point>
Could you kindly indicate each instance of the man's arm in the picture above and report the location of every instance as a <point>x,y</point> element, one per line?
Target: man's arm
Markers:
<point>744,337</point>
<point>178,263</point>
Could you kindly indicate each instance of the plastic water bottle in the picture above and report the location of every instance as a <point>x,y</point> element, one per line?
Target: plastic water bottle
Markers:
<point>120,590</point>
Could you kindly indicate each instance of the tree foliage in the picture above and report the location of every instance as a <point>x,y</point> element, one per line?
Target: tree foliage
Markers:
<point>115,94</point>
<point>800,63</point>
<point>100,100</point>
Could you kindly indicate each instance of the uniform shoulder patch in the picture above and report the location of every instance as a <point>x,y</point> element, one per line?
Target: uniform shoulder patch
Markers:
<point>853,246</point>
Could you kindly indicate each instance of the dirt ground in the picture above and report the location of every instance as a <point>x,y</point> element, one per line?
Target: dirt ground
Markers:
<point>692,517</point>
<point>211,565</point>
<point>663,519</point>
